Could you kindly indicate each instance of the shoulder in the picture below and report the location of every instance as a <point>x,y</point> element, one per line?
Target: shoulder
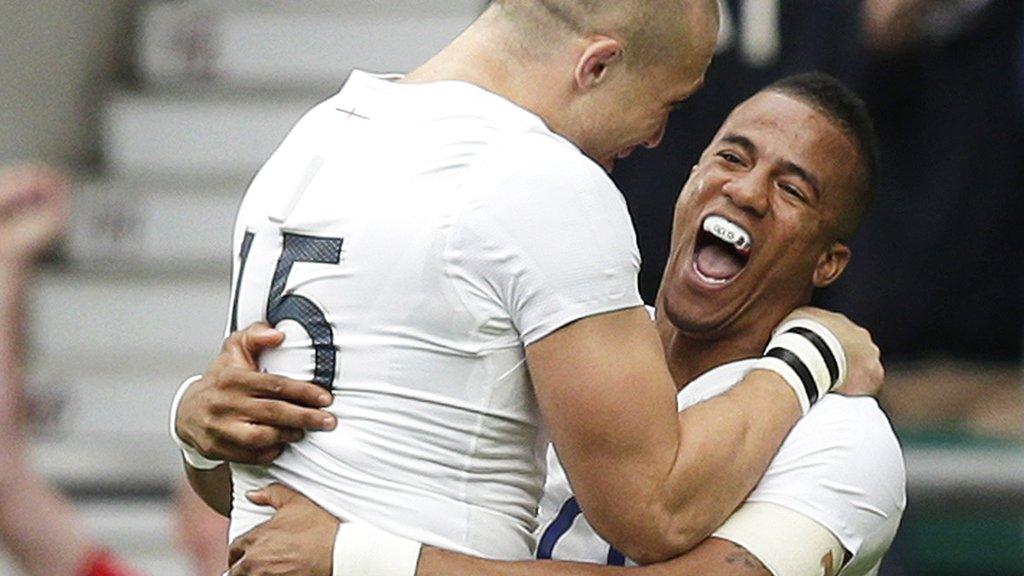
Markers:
<point>860,431</point>
<point>843,467</point>
<point>540,169</point>
<point>535,191</point>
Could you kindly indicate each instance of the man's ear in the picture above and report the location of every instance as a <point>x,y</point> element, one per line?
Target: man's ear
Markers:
<point>831,264</point>
<point>592,66</point>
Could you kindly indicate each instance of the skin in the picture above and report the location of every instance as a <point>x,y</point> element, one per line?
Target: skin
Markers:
<point>750,173</point>
<point>690,469</point>
<point>33,515</point>
<point>604,106</point>
<point>891,26</point>
<point>796,248</point>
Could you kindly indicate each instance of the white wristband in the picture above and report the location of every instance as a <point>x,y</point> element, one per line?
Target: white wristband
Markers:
<point>362,550</point>
<point>191,455</point>
<point>827,337</point>
<point>808,356</point>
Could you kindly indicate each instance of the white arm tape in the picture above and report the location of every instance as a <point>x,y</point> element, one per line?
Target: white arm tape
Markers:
<point>191,455</point>
<point>785,541</point>
<point>362,550</point>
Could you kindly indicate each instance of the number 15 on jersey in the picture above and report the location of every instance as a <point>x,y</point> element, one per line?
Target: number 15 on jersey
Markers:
<point>283,306</point>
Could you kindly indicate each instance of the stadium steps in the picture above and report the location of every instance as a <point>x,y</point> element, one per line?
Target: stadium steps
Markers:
<point>123,319</point>
<point>312,43</point>
<point>205,133</point>
<point>108,350</point>
<point>155,222</point>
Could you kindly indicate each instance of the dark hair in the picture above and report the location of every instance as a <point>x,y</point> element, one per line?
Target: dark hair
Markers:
<point>832,98</point>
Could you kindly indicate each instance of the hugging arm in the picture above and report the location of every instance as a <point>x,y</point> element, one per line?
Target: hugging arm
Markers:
<point>713,557</point>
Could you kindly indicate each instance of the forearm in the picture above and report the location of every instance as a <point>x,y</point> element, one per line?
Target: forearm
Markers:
<point>725,446</point>
<point>13,281</point>
<point>713,557</point>
<point>721,449</point>
<point>39,526</point>
<point>679,475</point>
<point>434,562</point>
<point>212,486</point>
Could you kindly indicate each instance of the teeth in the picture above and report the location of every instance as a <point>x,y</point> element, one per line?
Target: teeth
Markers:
<point>727,231</point>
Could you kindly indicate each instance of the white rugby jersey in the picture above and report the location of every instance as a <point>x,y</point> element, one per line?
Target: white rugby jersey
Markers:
<point>410,240</point>
<point>841,466</point>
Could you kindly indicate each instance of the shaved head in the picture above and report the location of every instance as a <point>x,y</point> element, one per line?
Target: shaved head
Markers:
<point>652,31</point>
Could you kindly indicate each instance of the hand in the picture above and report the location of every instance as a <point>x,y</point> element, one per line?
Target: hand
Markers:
<point>238,414</point>
<point>892,25</point>
<point>33,212</point>
<point>864,371</point>
<point>297,541</point>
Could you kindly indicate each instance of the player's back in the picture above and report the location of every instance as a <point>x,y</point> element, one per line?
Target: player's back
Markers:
<point>353,241</point>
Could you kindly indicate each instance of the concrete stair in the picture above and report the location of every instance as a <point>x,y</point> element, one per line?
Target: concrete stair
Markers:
<point>295,43</point>
<point>155,222</point>
<point>197,133</point>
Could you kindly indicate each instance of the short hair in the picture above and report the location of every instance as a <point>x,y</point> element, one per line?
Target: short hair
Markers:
<point>841,105</point>
<point>650,29</point>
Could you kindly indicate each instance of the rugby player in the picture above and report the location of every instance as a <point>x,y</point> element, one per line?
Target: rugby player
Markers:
<point>790,172</point>
<point>445,254</point>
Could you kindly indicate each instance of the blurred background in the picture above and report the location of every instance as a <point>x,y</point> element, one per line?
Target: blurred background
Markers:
<point>163,110</point>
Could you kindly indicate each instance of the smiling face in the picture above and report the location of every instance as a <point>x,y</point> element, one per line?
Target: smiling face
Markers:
<point>757,224</point>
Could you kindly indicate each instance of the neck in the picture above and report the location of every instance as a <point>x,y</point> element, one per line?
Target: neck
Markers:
<point>690,355</point>
<point>484,55</point>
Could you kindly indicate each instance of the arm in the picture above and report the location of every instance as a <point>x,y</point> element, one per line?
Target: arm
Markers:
<point>213,486</point>
<point>689,470</point>
<point>33,515</point>
<point>713,557</point>
<point>299,540</point>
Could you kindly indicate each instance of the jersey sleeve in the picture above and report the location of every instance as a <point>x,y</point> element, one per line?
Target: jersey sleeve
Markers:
<point>842,467</point>
<point>548,239</point>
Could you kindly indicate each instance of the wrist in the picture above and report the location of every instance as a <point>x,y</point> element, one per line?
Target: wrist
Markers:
<point>808,357</point>
<point>363,550</point>
<point>189,452</point>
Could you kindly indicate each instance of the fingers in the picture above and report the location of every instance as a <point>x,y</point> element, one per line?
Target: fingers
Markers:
<point>275,387</point>
<point>276,496</point>
<point>254,438</point>
<point>33,189</point>
<point>281,414</point>
<point>271,386</point>
<point>244,346</point>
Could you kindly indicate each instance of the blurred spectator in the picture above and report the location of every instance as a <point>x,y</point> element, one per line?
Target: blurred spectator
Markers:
<point>37,525</point>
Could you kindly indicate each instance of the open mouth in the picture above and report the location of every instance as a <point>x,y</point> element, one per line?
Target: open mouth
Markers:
<point>722,250</point>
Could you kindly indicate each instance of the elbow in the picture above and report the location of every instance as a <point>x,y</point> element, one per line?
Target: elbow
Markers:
<point>656,536</point>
